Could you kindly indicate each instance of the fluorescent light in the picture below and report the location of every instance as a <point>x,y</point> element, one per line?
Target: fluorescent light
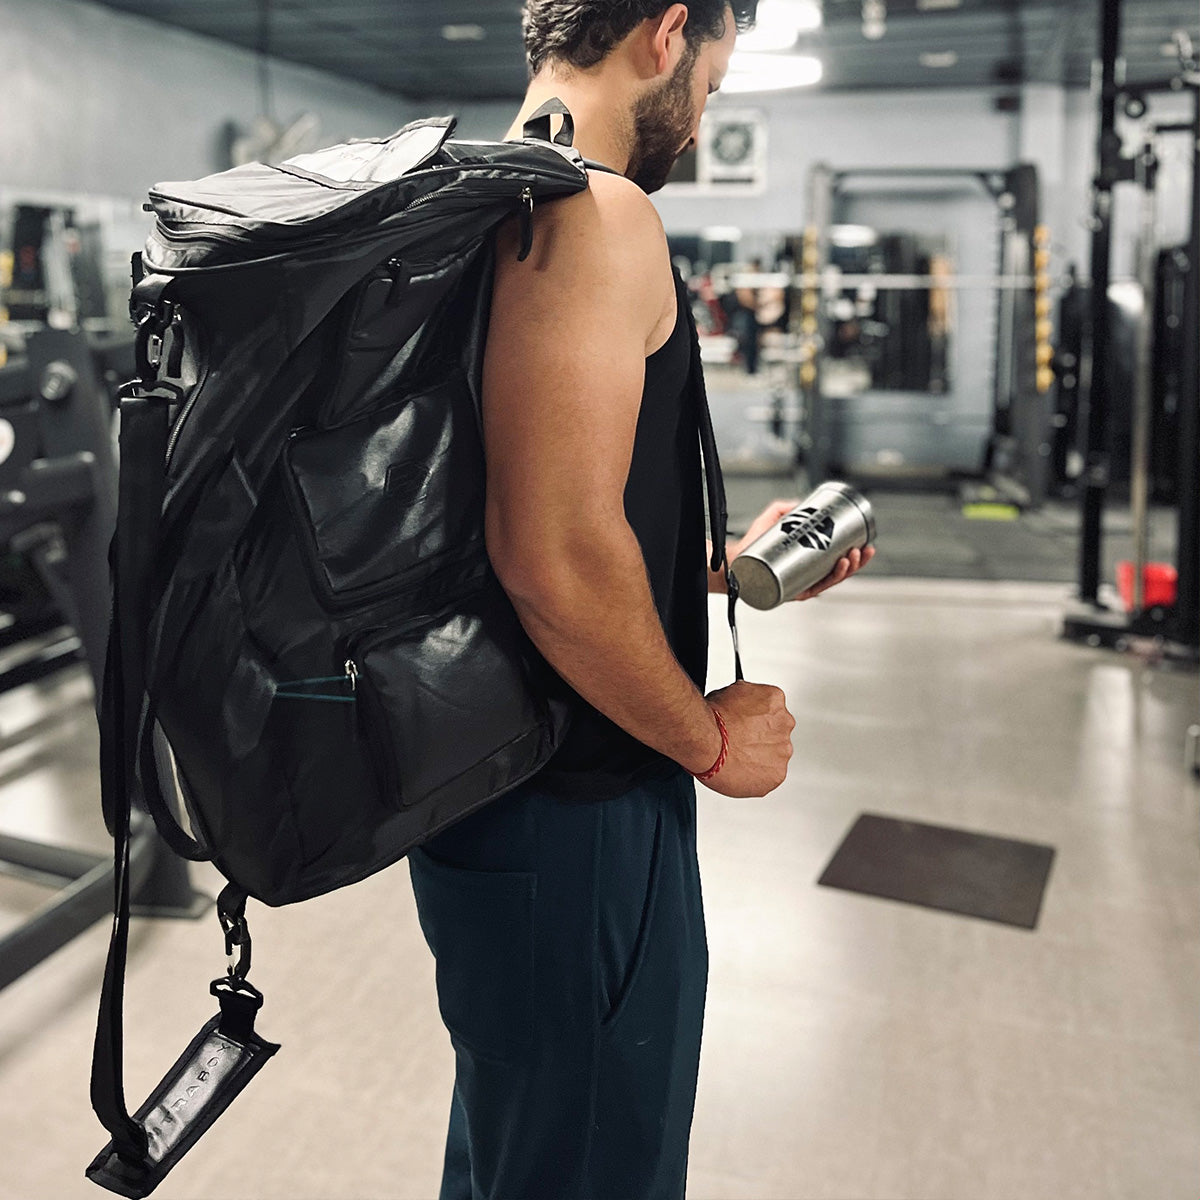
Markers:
<point>770,72</point>
<point>938,60</point>
<point>779,24</point>
<point>852,236</point>
<point>934,5</point>
<point>721,233</point>
<point>464,33</point>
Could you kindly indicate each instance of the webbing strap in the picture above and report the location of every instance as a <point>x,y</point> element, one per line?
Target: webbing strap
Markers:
<point>143,443</point>
<point>538,124</point>
<point>141,488</point>
<point>718,516</point>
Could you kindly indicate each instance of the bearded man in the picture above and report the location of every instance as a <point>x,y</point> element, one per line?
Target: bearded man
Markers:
<point>566,917</point>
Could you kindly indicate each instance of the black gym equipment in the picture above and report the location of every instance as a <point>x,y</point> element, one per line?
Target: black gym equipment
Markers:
<point>1175,629</point>
<point>1170,293</point>
<point>1066,463</point>
<point>1014,456</point>
<point>58,484</point>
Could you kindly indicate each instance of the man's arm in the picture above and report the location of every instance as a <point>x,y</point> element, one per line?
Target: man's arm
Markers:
<point>563,379</point>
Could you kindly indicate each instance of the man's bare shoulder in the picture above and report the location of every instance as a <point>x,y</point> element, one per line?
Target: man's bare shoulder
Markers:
<point>611,226</point>
<point>604,245</point>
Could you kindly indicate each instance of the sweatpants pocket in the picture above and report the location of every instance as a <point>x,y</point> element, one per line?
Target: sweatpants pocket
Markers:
<point>618,972</point>
<point>479,925</point>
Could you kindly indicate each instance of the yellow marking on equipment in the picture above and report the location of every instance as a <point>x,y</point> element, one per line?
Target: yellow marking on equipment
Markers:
<point>991,512</point>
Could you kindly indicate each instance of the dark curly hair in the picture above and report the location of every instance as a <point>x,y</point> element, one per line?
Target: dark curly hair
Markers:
<point>582,32</point>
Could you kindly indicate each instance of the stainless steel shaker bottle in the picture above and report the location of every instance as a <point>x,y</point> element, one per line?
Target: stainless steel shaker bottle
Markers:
<point>804,546</point>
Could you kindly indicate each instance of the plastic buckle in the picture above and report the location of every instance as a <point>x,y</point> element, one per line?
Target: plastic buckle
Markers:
<point>152,325</point>
<point>240,1002</point>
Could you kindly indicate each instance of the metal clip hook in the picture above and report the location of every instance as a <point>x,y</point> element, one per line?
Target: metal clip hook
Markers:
<point>237,937</point>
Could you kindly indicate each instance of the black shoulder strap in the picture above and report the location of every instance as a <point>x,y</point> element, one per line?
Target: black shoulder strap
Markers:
<point>143,440</point>
<point>718,516</point>
<point>538,124</point>
<point>144,424</point>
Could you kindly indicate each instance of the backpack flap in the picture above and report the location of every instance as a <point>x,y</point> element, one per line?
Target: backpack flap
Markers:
<point>380,160</point>
<point>305,195</point>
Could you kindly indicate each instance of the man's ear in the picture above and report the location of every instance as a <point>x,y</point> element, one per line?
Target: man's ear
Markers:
<point>667,42</point>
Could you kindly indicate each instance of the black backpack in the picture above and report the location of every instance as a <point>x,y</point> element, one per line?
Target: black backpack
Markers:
<point>303,607</point>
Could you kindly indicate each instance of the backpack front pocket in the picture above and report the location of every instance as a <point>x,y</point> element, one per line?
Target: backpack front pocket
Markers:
<point>384,502</point>
<point>447,704</point>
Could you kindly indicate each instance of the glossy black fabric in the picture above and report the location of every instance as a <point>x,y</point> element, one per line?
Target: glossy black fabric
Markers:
<point>321,541</point>
<point>664,504</point>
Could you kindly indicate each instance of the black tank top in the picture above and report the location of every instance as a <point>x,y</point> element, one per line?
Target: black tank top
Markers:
<point>664,504</point>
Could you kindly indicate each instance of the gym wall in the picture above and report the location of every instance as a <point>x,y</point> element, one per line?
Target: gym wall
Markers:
<point>99,102</point>
<point>944,127</point>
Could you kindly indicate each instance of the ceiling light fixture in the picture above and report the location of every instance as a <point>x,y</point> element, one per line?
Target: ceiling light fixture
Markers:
<point>937,5</point>
<point>750,72</point>
<point>464,33</point>
<point>779,25</point>
<point>939,60</point>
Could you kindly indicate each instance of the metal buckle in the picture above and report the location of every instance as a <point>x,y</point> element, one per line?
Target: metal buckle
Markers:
<point>158,389</point>
<point>237,937</point>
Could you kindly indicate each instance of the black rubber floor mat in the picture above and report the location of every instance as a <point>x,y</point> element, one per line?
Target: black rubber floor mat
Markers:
<point>977,875</point>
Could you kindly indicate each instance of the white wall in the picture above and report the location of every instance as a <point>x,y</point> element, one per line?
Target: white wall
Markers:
<point>96,101</point>
<point>918,128</point>
<point>99,102</point>
<point>1055,130</point>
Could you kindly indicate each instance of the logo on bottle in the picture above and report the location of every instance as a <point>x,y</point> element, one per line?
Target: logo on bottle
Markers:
<point>809,527</point>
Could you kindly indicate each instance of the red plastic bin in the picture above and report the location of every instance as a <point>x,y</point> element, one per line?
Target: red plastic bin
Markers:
<point>1159,582</point>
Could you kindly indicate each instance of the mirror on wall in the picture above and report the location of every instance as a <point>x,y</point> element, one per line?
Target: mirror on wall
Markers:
<point>889,317</point>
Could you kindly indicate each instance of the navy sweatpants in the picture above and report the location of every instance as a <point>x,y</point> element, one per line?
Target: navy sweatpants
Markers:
<point>571,971</point>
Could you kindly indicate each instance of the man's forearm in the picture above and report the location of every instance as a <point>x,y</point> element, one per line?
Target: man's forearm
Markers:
<point>594,620</point>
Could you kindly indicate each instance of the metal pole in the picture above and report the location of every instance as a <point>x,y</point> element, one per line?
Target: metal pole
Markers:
<point>1096,468</point>
<point>1143,385</point>
<point>1186,619</point>
<point>822,187</point>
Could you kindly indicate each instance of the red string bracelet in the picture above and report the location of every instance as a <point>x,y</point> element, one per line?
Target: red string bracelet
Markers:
<point>707,775</point>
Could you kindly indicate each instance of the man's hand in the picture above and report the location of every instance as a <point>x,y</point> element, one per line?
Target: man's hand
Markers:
<point>846,566</point>
<point>760,738</point>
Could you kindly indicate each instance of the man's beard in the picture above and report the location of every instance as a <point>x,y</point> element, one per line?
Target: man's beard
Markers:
<point>662,124</point>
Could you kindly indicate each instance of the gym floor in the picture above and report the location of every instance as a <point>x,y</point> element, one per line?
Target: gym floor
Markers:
<point>855,1048</point>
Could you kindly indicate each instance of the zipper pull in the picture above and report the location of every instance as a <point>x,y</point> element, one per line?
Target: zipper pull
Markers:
<point>400,277</point>
<point>352,674</point>
<point>526,224</point>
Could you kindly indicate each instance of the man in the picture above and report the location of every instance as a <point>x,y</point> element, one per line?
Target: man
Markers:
<point>566,917</point>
